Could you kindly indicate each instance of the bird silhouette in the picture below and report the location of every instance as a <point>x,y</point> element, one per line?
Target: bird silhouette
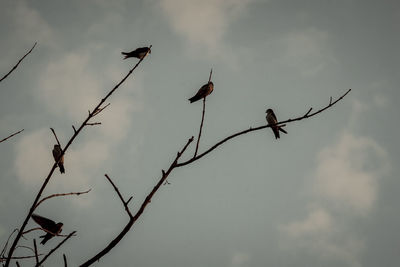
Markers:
<point>271,119</point>
<point>204,91</point>
<point>139,53</point>
<point>56,154</point>
<point>52,228</point>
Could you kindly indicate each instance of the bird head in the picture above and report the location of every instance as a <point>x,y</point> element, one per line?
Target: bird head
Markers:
<point>149,50</point>
<point>57,146</point>
<point>269,111</point>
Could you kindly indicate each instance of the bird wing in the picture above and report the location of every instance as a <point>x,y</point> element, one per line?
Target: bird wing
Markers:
<point>273,115</point>
<point>44,222</point>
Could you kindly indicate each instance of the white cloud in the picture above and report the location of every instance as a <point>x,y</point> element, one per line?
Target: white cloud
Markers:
<point>318,220</point>
<point>203,23</point>
<point>68,87</point>
<point>345,186</point>
<point>347,172</point>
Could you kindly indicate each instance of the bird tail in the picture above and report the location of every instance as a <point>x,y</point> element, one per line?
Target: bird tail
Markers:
<point>194,99</point>
<point>282,130</point>
<point>125,54</point>
<point>62,170</point>
<point>276,132</point>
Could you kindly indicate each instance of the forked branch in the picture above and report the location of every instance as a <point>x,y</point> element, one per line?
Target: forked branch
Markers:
<point>251,129</point>
<point>76,133</point>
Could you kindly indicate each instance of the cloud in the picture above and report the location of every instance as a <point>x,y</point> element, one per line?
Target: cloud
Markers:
<point>318,220</point>
<point>344,187</point>
<point>347,172</point>
<point>203,24</point>
<point>30,25</point>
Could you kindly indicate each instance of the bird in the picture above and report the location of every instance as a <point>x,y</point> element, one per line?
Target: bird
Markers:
<point>52,228</point>
<point>271,119</point>
<point>139,53</point>
<point>204,91</point>
<point>56,154</point>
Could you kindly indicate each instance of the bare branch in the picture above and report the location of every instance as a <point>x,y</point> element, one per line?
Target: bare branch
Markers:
<point>6,244</point>
<point>36,251</point>
<point>19,257</point>
<point>96,112</point>
<point>65,260</point>
<point>58,142</point>
<point>201,124</point>
<point>90,115</point>
<point>125,203</point>
<point>93,123</point>
<point>17,263</point>
<point>55,248</point>
<point>5,76</point>
<point>73,127</point>
<point>251,129</point>
<point>8,137</point>
<point>42,229</point>
<point>133,219</point>
<point>308,112</point>
<point>61,195</point>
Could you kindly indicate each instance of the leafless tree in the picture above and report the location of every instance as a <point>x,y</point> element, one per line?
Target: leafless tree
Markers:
<point>133,217</point>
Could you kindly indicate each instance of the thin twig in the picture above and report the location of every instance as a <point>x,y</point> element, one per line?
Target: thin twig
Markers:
<point>55,248</point>
<point>65,260</point>
<point>251,129</point>
<point>42,229</point>
<point>54,132</point>
<point>25,222</point>
<point>5,76</point>
<point>17,263</point>
<point>93,123</point>
<point>8,137</point>
<point>6,244</point>
<point>36,251</point>
<point>96,112</point>
<point>61,195</point>
<point>133,219</point>
<point>18,257</point>
<point>201,126</point>
<point>125,203</point>
<point>202,119</point>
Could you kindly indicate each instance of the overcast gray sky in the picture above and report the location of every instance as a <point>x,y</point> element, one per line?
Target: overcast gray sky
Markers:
<point>326,194</point>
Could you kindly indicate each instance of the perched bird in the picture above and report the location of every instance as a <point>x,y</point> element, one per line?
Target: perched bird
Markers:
<point>204,91</point>
<point>52,228</point>
<point>56,154</point>
<point>271,119</point>
<point>139,53</point>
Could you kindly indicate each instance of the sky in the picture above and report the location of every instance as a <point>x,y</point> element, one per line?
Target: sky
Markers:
<point>325,194</point>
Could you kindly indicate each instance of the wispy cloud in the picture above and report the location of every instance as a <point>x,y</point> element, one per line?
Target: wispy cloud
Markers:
<point>203,24</point>
<point>344,186</point>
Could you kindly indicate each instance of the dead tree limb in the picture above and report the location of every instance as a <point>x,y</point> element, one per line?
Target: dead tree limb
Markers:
<point>202,119</point>
<point>134,218</point>
<point>251,129</point>
<point>65,260</point>
<point>61,195</point>
<point>76,133</point>
<point>174,165</point>
<point>55,135</point>
<point>5,76</point>
<point>55,248</point>
<point>36,251</point>
<point>8,137</point>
